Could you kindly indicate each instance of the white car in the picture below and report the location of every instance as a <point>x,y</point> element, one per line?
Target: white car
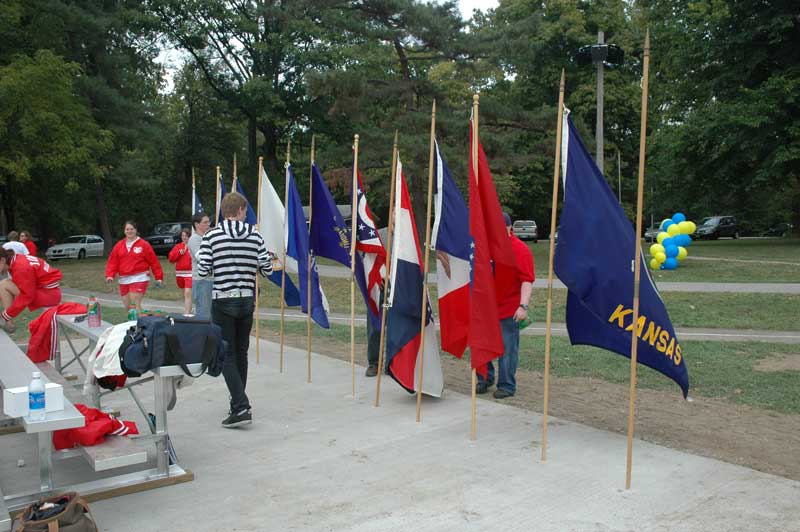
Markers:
<point>77,247</point>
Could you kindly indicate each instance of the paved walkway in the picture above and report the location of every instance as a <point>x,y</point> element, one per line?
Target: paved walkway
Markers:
<point>764,288</point>
<point>558,329</point>
<point>318,459</point>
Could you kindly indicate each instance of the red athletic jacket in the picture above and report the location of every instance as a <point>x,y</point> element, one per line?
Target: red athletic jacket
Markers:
<point>182,259</point>
<point>30,274</point>
<point>97,426</point>
<point>31,247</point>
<point>44,331</point>
<point>139,259</point>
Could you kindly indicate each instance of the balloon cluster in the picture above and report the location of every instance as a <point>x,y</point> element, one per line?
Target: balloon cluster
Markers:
<point>672,242</point>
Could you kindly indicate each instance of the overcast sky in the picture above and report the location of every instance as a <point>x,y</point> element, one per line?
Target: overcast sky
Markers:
<point>467,6</point>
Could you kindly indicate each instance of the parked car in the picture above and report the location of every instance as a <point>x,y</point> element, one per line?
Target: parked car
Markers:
<point>781,229</point>
<point>715,227</point>
<point>526,230</point>
<point>76,247</point>
<point>164,236</point>
<point>651,234</point>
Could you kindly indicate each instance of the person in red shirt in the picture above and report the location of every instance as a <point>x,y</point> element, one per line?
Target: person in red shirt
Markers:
<point>33,284</point>
<point>25,238</point>
<point>132,259</point>
<point>182,260</point>
<point>513,288</point>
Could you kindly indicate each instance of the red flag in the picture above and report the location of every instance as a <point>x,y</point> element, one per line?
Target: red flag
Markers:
<point>492,245</point>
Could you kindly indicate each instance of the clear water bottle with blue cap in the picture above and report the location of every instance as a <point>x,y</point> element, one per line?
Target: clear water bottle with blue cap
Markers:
<point>36,405</point>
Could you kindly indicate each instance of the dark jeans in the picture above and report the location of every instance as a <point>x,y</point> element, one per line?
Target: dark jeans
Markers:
<point>374,337</point>
<point>234,315</point>
<point>506,364</point>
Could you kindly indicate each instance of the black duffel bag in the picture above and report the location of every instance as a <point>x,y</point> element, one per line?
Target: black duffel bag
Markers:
<point>172,341</point>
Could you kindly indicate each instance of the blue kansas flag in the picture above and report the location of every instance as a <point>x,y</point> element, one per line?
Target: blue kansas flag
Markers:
<point>297,248</point>
<point>329,235</point>
<point>594,258</point>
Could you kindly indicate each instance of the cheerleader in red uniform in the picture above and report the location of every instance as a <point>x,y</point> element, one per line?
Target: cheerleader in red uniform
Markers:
<point>182,260</point>
<point>33,284</point>
<point>132,259</point>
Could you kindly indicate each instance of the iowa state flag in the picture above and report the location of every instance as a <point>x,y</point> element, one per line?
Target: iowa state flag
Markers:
<point>594,258</point>
<point>403,333</point>
<point>492,252</point>
<point>453,244</point>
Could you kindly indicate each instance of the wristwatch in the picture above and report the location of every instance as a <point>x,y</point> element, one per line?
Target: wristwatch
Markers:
<point>524,307</point>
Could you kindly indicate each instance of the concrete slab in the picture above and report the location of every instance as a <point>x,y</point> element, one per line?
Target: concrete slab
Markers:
<point>317,459</point>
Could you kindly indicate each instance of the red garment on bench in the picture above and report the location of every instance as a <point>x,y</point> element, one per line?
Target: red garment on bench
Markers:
<point>98,425</point>
<point>44,331</point>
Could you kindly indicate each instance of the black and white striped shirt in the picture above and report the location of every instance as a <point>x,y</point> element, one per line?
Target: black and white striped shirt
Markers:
<point>232,252</point>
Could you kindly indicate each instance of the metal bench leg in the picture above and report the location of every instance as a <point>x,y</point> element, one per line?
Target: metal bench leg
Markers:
<point>46,461</point>
<point>161,424</point>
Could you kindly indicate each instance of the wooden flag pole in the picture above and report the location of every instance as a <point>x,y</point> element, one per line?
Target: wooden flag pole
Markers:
<point>310,256</point>
<point>216,207</point>
<point>637,261</point>
<point>258,285</point>
<point>194,191</point>
<point>549,322</point>
<point>475,98</point>
<point>353,238</point>
<point>233,183</point>
<point>427,251</point>
<point>390,231</point>
<point>283,270</point>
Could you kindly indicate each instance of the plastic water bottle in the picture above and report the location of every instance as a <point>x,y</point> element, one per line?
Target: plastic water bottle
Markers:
<point>93,311</point>
<point>36,398</point>
<point>524,323</point>
<point>133,314</point>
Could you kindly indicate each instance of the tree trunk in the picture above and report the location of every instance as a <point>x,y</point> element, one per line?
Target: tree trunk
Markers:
<point>102,216</point>
<point>8,205</point>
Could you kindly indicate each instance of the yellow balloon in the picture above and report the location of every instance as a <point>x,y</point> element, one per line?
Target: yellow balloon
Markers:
<point>655,248</point>
<point>661,236</point>
<point>684,227</point>
<point>654,264</point>
<point>682,253</point>
<point>692,228</point>
<point>673,230</point>
<point>660,257</point>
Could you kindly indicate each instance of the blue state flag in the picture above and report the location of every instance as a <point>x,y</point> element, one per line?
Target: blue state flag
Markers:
<point>251,217</point>
<point>329,235</point>
<point>595,258</point>
<point>222,192</point>
<point>297,248</point>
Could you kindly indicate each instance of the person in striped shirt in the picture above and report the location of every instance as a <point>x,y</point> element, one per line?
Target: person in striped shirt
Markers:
<point>233,252</point>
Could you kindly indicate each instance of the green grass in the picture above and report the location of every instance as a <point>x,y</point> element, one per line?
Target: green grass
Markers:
<point>716,369</point>
<point>687,309</point>
<point>761,250</point>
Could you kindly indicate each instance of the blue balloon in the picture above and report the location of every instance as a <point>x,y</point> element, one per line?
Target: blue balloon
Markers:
<point>669,241</point>
<point>682,240</point>
<point>665,224</point>
<point>671,251</point>
<point>671,263</point>
<point>688,241</point>
<point>679,217</point>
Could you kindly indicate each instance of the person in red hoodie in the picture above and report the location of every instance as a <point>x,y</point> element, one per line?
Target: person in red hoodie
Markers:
<point>25,238</point>
<point>33,284</point>
<point>182,260</point>
<point>132,259</point>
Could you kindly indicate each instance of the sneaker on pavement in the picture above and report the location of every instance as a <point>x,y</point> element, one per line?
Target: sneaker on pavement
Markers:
<point>243,417</point>
<point>371,371</point>
<point>501,394</point>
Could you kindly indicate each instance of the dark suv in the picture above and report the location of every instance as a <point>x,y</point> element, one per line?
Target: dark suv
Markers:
<point>164,236</point>
<point>715,227</point>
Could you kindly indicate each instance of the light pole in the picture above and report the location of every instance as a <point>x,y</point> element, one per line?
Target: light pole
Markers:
<point>600,54</point>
